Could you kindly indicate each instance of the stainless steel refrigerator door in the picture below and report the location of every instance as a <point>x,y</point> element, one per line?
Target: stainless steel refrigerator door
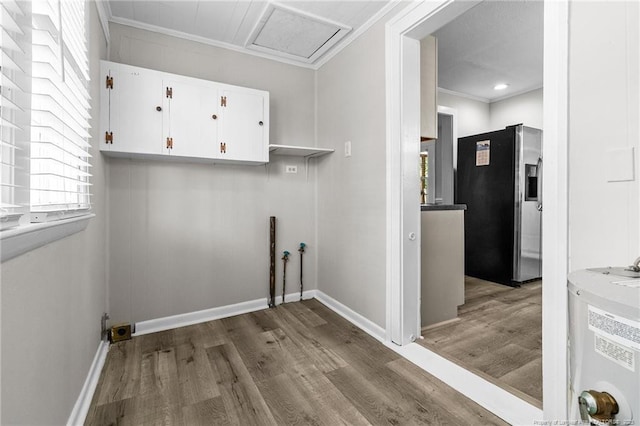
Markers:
<point>527,256</point>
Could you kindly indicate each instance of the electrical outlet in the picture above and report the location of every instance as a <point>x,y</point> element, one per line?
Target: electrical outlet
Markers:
<point>291,169</point>
<point>347,149</point>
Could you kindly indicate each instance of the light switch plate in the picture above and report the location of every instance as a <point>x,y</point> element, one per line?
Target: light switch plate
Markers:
<point>291,169</point>
<point>347,149</point>
<point>620,165</point>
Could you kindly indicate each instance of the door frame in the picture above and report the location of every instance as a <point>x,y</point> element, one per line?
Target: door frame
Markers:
<point>402,203</point>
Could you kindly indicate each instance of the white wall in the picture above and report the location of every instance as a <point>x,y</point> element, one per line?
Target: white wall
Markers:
<point>52,301</point>
<point>351,190</point>
<point>525,108</point>
<point>186,237</point>
<point>473,115</point>
<point>604,217</point>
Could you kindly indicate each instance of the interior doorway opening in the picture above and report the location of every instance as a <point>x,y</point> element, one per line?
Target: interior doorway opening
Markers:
<point>403,33</point>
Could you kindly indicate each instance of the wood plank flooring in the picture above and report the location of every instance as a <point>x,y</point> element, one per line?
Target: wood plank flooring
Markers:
<point>498,336</point>
<point>297,364</point>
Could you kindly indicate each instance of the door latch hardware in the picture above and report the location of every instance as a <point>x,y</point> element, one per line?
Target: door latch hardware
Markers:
<point>223,101</point>
<point>170,92</point>
<point>223,147</point>
<point>109,82</point>
<point>169,143</point>
<point>108,137</point>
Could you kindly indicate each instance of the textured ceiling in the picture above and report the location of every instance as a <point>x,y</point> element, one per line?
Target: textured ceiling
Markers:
<point>255,25</point>
<point>494,42</point>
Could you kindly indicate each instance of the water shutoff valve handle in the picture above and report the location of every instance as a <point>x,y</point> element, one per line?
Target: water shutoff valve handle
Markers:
<point>596,405</point>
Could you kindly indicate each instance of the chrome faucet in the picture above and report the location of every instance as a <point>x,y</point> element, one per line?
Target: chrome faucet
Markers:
<point>636,265</point>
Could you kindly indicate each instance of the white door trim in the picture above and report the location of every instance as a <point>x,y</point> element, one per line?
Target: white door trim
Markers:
<point>403,284</point>
<point>453,112</point>
<point>403,139</point>
<point>555,231</point>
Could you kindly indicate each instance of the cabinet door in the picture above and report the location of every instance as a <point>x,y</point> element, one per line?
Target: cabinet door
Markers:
<point>244,127</point>
<point>105,105</point>
<point>191,119</point>
<point>429,88</point>
<point>135,120</point>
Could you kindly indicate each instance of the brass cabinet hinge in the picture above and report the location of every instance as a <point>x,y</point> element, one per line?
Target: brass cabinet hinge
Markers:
<point>108,137</point>
<point>170,92</point>
<point>169,143</point>
<point>109,82</point>
<point>223,147</point>
<point>223,101</point>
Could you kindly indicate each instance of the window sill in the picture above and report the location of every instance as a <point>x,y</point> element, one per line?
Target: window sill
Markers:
<point>17,241</point>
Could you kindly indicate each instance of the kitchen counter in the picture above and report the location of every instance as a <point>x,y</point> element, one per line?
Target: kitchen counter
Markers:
<point>430,207</point>
<point>442,262</point>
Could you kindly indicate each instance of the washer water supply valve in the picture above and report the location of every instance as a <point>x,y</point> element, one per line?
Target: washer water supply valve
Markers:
<point>598,406</point>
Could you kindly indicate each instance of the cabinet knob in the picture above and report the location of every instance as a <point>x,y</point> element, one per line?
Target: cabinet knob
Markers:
<point>158,108</point>
<point>214,116</point>
<point>260,123</point>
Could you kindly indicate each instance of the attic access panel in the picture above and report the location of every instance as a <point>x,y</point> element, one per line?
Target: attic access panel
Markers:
<point>294,34</point>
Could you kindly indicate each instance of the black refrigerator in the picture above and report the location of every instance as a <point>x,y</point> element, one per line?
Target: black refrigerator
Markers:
<point>499,178</point>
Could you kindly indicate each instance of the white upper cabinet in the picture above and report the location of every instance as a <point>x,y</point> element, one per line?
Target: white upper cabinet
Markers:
<point>131,119</point>
<point>146,113</point>
<point>191,119</point>
<point>429,88</point>
<point>244,124</point>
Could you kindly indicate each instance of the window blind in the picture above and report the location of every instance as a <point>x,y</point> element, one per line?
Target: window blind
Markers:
<point>60,111</point>
<point>15,105</point>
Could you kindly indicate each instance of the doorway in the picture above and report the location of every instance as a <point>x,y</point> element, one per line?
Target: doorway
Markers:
<point>403,248</point>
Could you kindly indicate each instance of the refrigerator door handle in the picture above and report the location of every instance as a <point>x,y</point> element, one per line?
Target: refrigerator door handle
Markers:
<point>539,189</point>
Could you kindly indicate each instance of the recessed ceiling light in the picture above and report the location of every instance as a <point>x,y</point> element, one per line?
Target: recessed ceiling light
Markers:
<point>500,86</point>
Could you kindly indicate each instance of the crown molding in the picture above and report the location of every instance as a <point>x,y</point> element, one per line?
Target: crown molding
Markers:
<point>104,15</point>
<point>204,40</point>
<point>463,95</point>
<point>518,93</point>
<point>349,38</point>
<point>485,100</point>
<point>346,41</point>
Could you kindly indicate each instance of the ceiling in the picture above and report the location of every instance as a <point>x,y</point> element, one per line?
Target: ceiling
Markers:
<point>494,42</point>
<point>299,32</point>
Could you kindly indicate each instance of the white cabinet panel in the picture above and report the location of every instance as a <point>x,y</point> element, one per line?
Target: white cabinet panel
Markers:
<point>429,88</point>
<point>191,119</point>
<point>155,114</point>
<point>133,116</point>
<point>243,126</point>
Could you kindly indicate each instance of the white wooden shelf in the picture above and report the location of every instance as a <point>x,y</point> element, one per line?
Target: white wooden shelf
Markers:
<point>298,151</point>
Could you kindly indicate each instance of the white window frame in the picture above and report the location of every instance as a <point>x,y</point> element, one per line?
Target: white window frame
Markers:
<point>15,106</point>
<point>56,223</point>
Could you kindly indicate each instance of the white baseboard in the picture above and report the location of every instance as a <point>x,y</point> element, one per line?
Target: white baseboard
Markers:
<point>81,407</point>
<point>190,318</point>
<point>488,395</point>
<point>368,326</point>
<point>493,398</point>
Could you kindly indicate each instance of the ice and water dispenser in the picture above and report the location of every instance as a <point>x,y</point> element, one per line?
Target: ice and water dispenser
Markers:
<point>604,345</point>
